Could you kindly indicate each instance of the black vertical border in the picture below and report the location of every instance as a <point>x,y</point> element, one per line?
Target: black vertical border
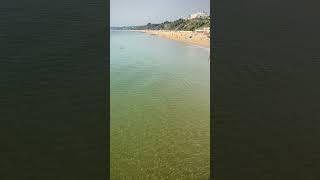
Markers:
<point>44,148</point>
<point>107,59</point>
<point>212,59</point>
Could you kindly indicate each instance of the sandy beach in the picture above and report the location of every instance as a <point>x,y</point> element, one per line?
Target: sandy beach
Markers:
<point>191,37</point>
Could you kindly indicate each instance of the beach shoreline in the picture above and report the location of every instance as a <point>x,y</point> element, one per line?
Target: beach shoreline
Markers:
<point>190,37</point>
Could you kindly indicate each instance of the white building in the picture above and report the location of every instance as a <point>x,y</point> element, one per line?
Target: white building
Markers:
<point>203,30</point>
<point>198,15</point>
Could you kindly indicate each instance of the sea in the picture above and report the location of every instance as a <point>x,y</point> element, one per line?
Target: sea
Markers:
<point>160,108</point>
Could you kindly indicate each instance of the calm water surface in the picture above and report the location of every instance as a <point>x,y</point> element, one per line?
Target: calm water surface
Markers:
<point>159,108</point>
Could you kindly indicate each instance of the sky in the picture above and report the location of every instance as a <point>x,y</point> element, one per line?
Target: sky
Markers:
<point>141,12</point>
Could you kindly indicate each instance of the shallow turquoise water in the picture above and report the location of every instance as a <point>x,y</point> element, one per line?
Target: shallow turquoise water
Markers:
<point>159,108</point>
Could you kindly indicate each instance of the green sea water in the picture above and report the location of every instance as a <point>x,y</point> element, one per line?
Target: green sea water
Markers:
<point>160,93</point>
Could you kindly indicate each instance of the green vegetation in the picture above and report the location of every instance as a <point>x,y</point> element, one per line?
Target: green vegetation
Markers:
<point>178,25</point>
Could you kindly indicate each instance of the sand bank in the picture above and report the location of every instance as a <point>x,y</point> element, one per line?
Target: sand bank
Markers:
<point>191,37</point>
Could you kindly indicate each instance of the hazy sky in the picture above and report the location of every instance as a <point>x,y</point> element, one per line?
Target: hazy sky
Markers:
<point>141,12</point>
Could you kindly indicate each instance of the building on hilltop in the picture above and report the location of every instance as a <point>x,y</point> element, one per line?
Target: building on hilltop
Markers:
<point>198,15</point>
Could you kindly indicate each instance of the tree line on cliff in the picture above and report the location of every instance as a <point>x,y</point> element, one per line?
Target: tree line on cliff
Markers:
<point>177,25</point>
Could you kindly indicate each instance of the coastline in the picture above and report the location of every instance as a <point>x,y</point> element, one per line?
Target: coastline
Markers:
<point>190,37</point>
